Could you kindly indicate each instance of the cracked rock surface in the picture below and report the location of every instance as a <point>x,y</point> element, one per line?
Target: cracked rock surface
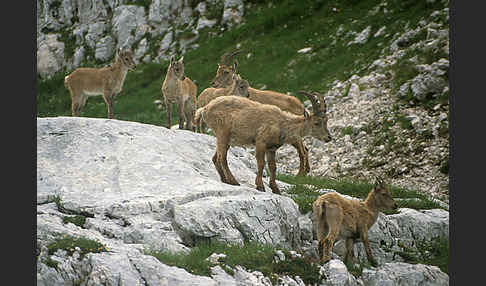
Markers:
<point>141,187</point>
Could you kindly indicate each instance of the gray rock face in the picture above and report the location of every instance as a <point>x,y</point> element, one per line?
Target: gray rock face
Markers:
<point>233,12</point>
<point>144,187</point>
<point>336,274</point>
<point>105,48</point>
<point>105,25</point>
<point>50,56</point>
<point>129,24</point>
<point>399,273</point>
<point>139,197</point>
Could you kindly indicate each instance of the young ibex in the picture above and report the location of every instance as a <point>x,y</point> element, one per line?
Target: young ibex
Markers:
<point>239,87</point>
<point>179,89</point>
<point>106,81</point>
<point>339,217</point>
<point>238,121</point>
<point>285,102</point>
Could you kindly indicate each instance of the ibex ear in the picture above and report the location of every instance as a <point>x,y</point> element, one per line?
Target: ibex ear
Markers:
<point>235,65</point>
<point>171,60</point>
<point>181,59</point>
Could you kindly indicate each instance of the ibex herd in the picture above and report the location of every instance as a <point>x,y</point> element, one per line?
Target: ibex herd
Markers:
<point>240,115</point>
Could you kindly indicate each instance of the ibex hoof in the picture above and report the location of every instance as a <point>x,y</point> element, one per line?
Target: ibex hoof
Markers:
<point>275,189</point>
<point>261,188</point>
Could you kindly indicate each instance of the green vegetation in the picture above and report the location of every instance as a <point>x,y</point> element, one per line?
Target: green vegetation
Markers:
<point>68,243</point>
<point>306,191</point>
<point>252,255</point>
<point>434,252</point>
<point>348,130</point>
<point>272,34</point>
<point>78,220</point>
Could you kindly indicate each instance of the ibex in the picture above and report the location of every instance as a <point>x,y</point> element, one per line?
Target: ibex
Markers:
<point>339,217</point>
<point>106,81</point>
<point>179,89</point>
<point>283,101</point>
<point>239,87</point>
<point>239,121</point>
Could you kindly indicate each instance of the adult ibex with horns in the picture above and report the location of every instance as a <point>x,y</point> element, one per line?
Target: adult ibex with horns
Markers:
<point>238,121</point>
<point>223,78</point>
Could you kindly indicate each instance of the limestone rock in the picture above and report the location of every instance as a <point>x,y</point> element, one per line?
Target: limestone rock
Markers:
<point>50,56</point>
<point>129,24</point>
<point>337,274</point>
<point>399,273</point>
<point>232,12</point>
<point>105,48</point>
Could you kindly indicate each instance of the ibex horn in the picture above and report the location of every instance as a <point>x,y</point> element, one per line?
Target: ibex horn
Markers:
<point>227,58</point>
<point>313,100</point>
<point>379,181</point>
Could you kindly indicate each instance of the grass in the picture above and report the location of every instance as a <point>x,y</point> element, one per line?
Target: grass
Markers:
<point>78,220</point>
<point>251,255</point>
<point>306,191</point>
<point>272,34</point>
<point>68,243</point>
<point>434,252</point>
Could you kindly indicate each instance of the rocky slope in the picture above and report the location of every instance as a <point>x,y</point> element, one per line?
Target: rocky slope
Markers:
<point>392,116</point>
<point>142,187</point>
<point>72,32</point>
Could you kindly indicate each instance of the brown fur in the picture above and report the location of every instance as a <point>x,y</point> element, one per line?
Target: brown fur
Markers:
<point>283,101</point>
<point>238,121</point>
<point>349,219</point>
<point>239,87</point>
<point>106,81</point>
<point>180,90</point>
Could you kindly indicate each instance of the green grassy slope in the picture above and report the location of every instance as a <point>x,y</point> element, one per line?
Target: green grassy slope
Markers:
<point>272,34</point>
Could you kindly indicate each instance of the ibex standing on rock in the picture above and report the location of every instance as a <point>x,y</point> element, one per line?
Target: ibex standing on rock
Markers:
<point>106,81</point>
<point>350,219</point>
<point>238,121</point>
<point>179,89</point>
<point>285,102</point>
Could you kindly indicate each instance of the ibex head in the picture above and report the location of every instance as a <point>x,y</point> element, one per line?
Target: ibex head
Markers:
<point>383,196</point>
<point>318,117</point>
<point>126,57</point>
<point>225,71</point>
<point>177,67</point>
<point>240,87</point>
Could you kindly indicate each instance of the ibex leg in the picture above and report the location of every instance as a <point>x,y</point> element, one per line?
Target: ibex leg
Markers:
<point>168,108</point>
<point>260,157</point>
<point>272,167</point>
<point>222,145</point>
<point>303,158</point>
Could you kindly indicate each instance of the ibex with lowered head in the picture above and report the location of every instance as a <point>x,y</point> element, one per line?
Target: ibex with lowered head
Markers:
<point>285,102</point>
<point>106,81</point>
<point>179,89</point>
<point>238,121</point>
